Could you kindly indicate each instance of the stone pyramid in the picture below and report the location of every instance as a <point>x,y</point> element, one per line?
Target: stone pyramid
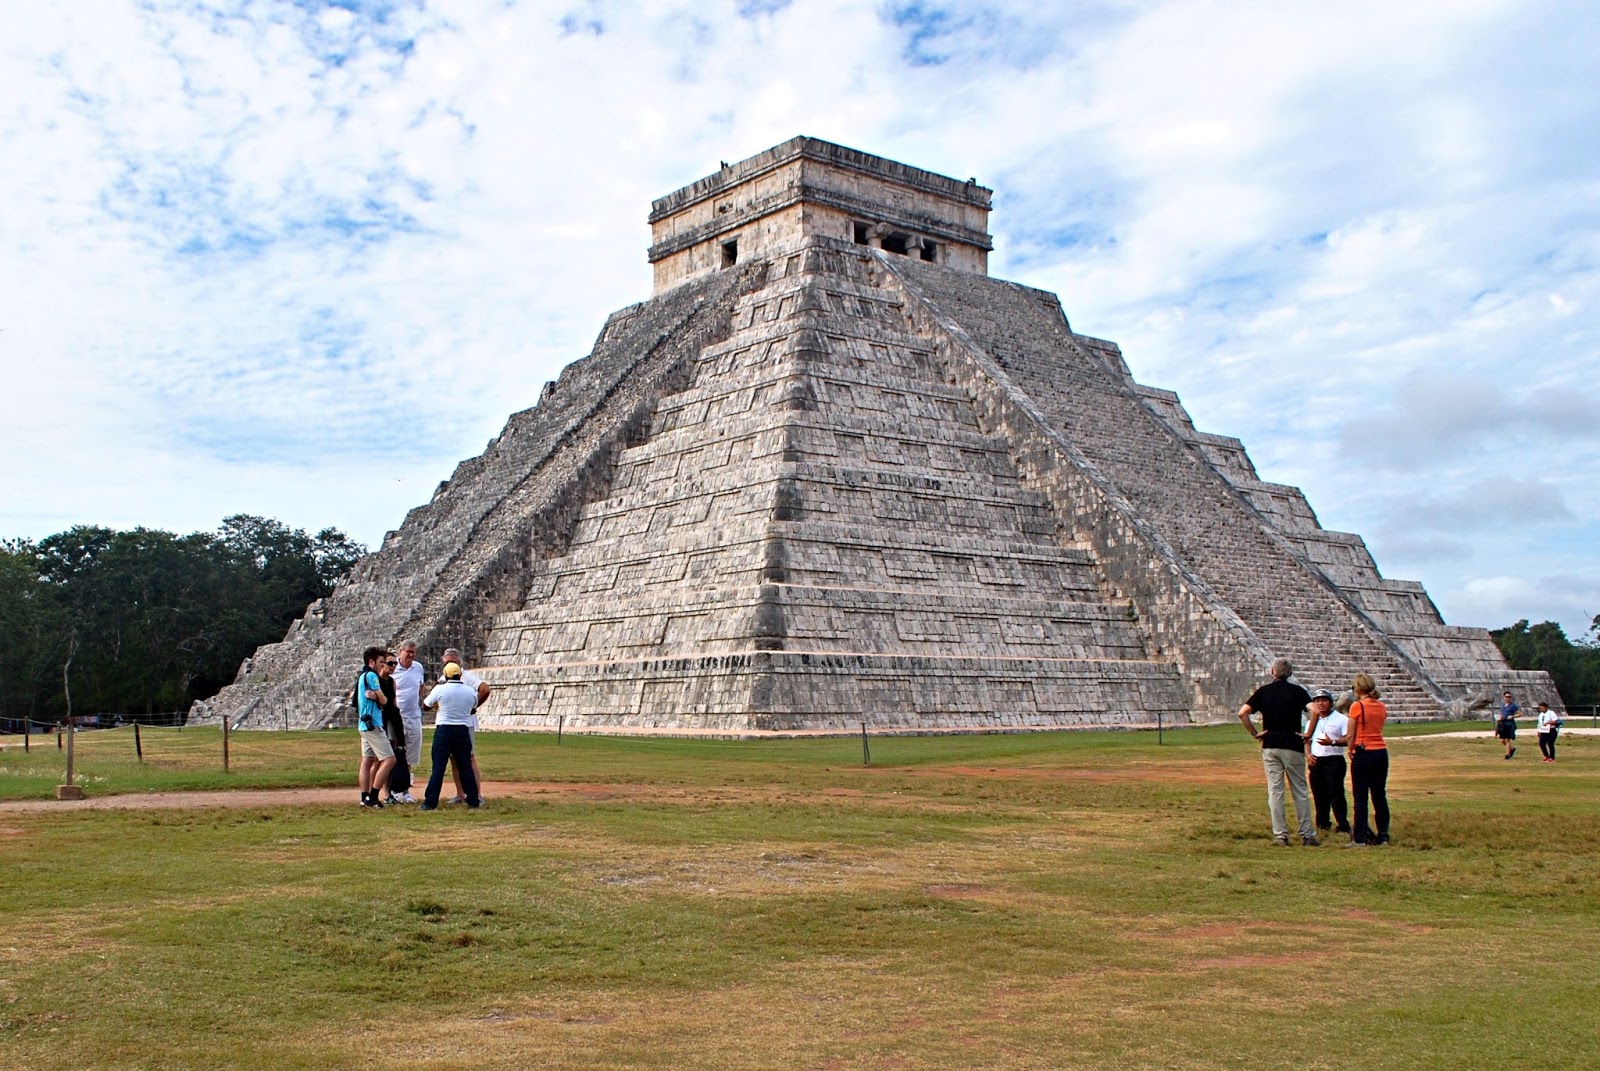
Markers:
<point>832,474</point>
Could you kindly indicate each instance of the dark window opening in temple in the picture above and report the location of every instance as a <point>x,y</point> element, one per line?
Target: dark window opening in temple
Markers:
<point>860,230</point>
<point>930,250</point>
<point>730,252</point>
<point>895,243</point>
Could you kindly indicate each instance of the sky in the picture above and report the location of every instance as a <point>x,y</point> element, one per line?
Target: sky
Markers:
<point>299,259</point>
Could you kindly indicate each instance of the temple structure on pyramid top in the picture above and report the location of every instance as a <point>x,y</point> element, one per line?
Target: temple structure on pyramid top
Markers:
<point>832,474</point>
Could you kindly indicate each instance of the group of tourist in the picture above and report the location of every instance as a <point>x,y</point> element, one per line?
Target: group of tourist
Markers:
<point>1549,727</point>
<point>389,696</point>
<point>1309,740</point>
<point>1334,738</point>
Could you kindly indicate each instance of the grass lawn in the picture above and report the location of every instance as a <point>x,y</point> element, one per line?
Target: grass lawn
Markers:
<point>1033,901</point>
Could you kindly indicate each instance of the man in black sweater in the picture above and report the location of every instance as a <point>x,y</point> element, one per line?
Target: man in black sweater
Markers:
<point>1283,748</point>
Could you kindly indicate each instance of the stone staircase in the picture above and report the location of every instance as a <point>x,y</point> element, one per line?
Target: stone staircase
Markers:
<point>816,533</point>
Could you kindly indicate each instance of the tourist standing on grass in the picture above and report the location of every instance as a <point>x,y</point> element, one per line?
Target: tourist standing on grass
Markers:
<point>399,780</point>
<point>1549,726</point>
<point>409,677</point>
<point>452,736</point>
<point>1281,706</point>
<point>1505,726</point>
<point>1369,761</point>
<point>377,756</point>
<point>481,691</point>
<point>1325,762</point>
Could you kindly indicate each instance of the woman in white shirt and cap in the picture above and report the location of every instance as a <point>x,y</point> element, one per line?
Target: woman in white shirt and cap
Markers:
<point>1325,761</point>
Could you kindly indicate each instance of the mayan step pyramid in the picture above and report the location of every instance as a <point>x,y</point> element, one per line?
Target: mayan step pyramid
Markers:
<point>832,474</point>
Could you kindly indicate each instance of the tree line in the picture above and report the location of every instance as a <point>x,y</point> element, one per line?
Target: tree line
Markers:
<point>1575,667</point>
<point>143,622</point>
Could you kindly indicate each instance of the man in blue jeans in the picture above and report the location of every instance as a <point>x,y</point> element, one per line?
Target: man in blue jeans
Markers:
<point>452,736</point>
<point>1283,748</point>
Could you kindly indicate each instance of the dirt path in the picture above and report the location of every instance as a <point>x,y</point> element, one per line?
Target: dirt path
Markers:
<point>296,797</point>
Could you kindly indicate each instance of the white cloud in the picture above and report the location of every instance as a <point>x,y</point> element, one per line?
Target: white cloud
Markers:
<point>247,245</point>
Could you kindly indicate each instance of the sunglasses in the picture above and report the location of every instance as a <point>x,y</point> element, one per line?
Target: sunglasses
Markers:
<point>391,663</point>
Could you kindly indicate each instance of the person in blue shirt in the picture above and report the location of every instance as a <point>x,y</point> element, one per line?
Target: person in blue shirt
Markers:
<point>377,755</point>
<point>1505,727</point>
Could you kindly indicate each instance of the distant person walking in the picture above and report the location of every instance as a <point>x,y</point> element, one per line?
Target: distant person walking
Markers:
<point>377,756</point>
<point>1369,761</point>
<point>1549,726</point>
<point>1505,726</point>
<point>1326,763</point>
<point>1283,757</point>
<point>452,740</point>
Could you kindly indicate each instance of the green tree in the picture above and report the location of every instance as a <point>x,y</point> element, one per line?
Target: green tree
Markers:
<point>143,620</point>
<point>30,629</point>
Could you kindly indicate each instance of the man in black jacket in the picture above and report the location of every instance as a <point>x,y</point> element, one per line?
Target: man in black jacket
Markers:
<point>1283,748</point>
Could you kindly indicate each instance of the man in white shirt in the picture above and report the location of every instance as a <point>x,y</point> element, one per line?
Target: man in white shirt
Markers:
<point>481,690</point>
<point>1325,761</point>
<point>409,675</point>
<point>452,740</point>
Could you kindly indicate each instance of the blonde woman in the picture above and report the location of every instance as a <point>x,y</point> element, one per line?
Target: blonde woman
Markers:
<point>1369,761</point>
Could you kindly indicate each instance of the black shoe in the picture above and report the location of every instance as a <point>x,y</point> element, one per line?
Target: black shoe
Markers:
<point>1342,829</point>
<point>1510,754</point>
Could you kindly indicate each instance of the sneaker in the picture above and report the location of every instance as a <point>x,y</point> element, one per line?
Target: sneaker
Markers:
<point>1281,839</point>
<point>391,798</point>
<point>1383,838</point>
<point>405,797</point>
<point>372,801</point>
<point>1510,754</point>
<point>1311,842</point>
<point>456,799</point>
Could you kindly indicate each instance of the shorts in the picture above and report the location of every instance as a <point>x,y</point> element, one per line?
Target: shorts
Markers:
<point>375,744</point>
<point>1506,730</point>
